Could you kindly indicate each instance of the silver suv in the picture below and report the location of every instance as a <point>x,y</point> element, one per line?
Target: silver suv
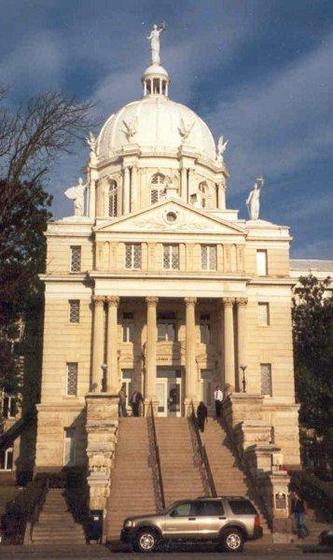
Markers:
<point>227,520</point>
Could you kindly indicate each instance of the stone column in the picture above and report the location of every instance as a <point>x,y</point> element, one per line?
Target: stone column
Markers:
<point>126,190</point>
<point>183,184</point>
<point>241,338</point>
<point>190,350</point>
<point>134,188</point>
<point>98,344</point>
<point>229,345</point>
<point>112,380</point>
<point>221,196</point>
<point>151,347</point>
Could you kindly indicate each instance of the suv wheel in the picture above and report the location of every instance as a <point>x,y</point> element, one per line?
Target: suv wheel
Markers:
<point>233,541</point>
<point>146,541</point>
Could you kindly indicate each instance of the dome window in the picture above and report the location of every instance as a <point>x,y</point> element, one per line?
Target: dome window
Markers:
<point>113,199</point>
<point>157,188</point>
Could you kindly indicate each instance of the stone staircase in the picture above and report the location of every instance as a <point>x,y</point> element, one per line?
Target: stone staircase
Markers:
<point>228,477</point>
<point>56,524</point>
<point>132,488</point>
<point>181,478</point>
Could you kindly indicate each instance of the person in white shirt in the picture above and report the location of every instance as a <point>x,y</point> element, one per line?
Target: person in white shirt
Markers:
<point>218,398</point>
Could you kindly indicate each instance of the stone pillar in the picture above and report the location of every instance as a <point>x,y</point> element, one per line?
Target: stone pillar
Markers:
<point>183,184</point>
<point>229,345</point>
<point>190,350</point>
<point>93,176</point>
<point>126,190</point>
<point>221,196</point>
<point>134,188</point>
<point>241,338</point>
<point>112,378</point>
<point>151,347</point>
<point>98,344</point>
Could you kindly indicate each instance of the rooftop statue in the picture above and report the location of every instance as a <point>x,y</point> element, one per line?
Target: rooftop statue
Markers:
<point>253,200</point>
<point>76,194</point>
<point>154,39</point>
<point>185,129</point>
<point>221,148</point>
<point>92,143</point>
<point>131,128</point>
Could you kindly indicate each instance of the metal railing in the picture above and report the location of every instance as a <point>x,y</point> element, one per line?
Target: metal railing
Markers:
<point>156,460</point>
<point>36,509</point>
<point>200,454</point>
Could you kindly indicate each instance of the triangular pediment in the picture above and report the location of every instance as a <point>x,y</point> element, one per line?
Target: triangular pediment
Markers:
<point>170,215</point>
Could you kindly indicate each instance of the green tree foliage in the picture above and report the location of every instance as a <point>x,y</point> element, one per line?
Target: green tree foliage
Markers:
<point>313,352</point>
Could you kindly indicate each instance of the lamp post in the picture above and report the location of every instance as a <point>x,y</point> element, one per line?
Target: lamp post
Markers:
<point>243,368</point>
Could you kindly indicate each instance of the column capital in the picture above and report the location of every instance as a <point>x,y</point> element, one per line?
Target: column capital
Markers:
<point>98,299</point>
<point>228,301</point>
<point>152,300</point>
<point>113,300</point>
<point>242,301</point>
<point>190,300</point>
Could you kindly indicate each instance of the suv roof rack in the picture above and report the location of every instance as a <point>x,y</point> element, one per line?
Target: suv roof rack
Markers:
<point>224,496</point>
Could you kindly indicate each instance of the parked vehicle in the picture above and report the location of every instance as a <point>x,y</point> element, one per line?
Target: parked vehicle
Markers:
<point>227,520</point>
<point>326,538</point>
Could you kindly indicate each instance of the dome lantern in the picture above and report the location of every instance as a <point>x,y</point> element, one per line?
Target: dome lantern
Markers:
<point>155,79</point>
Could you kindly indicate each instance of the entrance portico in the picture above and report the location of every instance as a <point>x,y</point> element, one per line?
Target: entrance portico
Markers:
<point>172,346</point>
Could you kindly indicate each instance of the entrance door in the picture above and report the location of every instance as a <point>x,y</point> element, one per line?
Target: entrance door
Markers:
<point>161,393</point>
<point>168,392</point>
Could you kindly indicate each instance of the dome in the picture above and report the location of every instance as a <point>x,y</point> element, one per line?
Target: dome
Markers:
<point>155,123</point>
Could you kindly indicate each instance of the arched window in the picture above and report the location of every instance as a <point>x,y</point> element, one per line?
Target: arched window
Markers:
<point>113,199</point>
<point>157,188</point>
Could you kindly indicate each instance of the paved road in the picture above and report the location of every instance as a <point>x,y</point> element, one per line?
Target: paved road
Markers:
<point>101,553</point>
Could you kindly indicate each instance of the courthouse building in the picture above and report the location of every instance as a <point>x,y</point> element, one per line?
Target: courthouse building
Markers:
<point>156,283</point>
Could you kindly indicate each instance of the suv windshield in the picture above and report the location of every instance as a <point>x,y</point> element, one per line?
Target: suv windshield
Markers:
<point>242,507</point>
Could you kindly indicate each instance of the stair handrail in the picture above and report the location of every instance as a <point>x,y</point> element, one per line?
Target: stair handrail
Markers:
<point>157,456</point>
<point>203,457</point>
<point>33,516</point>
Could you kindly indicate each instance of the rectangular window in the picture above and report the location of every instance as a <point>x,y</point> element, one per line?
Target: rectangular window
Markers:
<point>205,328</point>
<point>6,459</point>
<point>266,379</point>
<point>171,257</point>
<point>262,268</point>
<point>167,327</point>
<point>75,264</point>
<point>69,447</point>
<point>263,314</point>
<point>74,310</point>
<point>72,375</point>
<point>208,257</point>
<point>133,255</point>
<point>128,327</point>
<point>9,406</point>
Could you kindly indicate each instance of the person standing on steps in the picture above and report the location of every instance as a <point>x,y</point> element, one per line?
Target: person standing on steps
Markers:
<point>122,400</point>
<point>298,509</point>
<point>135,400</point>
<point>218,398</point>
<point>202,416</point>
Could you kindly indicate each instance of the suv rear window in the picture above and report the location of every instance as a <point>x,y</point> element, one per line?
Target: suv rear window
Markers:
<point>242,507</point>
<point>209,508</point>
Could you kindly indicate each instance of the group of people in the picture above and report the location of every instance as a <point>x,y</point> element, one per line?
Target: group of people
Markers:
<point>202,411</point>
<point>135,401</point>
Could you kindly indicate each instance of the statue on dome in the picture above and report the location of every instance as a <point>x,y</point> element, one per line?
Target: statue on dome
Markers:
<point>154,39</point>
<point>131,128</point>
<point>221,148</point>
<point>92,143</point>
<point>76,194</point>
<point>185,129</point>
<point>253,200</point>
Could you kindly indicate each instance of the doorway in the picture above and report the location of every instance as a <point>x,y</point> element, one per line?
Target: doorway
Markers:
<point>169,391</point>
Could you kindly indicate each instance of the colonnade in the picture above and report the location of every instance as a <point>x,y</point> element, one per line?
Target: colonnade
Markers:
<point>233,311</point>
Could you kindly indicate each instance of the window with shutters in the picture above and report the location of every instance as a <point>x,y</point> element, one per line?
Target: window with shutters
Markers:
<point>208,257</point>
<point>113,199</point>
<point>158,185</point>
<point>263,314</point>
<point>266,379</point>
<point>74,310</point>
<point>262,268</point>
<point>171,257</point>
<point>72,375</point>
<point>205,328</point>
<point>133,255</point>
<point>128,327</point>
<point>75,262</point>
<point>9,406</point>
<point>6,459</point>
<point>167,327</point>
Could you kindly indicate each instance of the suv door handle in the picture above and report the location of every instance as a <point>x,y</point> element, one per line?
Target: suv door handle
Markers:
<point>222,518</point>
<point>192,518</point>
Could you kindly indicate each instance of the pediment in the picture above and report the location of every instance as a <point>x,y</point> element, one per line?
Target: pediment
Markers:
<point>171,216</point>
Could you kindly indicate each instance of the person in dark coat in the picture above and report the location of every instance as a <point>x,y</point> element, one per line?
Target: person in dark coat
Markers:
<point>298,509</point>
<point>135,400</point>
<point>202,416</point>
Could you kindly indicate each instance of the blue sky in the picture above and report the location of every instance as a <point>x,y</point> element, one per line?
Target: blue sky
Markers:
<point>257,71</point>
